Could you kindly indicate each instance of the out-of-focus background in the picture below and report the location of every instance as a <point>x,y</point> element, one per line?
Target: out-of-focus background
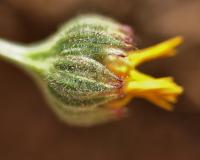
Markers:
<point>30,131</point>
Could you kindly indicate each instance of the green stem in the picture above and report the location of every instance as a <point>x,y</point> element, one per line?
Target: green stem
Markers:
<point>13,52</point>
<point>20,55</point>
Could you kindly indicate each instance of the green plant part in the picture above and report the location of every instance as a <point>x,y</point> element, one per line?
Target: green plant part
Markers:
<point>69,67</point>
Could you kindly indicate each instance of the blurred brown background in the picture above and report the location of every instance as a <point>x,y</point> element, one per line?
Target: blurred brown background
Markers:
<point>30,131</point>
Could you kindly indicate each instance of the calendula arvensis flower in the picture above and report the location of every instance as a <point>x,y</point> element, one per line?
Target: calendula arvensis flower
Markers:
<point>87,70</point>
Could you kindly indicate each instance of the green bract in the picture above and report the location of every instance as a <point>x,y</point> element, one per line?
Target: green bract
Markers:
<point>70,67</point>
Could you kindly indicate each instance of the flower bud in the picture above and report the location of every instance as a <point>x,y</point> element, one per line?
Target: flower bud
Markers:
<point>88,73</point>
<point>78,82</point>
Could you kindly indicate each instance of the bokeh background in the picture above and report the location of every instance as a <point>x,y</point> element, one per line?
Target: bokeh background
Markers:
<point>30,131</point>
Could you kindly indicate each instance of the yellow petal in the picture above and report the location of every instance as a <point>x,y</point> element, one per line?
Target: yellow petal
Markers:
<point>164,49</point>
<point>162,92</point>
<point>159,102</point>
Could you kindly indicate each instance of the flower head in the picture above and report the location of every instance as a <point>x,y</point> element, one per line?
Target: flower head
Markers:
<point>87,70</point>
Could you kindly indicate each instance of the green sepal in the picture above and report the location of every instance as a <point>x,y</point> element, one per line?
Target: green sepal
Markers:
<point>81,81</point>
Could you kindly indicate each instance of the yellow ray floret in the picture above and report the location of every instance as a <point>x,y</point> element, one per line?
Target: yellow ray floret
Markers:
<point>164,49</point>
<point>162,92</point>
